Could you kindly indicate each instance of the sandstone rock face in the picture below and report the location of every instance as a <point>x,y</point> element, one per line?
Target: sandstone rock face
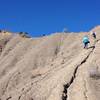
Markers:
<point>54,67</point>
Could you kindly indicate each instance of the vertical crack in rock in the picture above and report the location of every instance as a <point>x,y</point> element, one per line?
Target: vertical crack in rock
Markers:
<point>9,98</point>
<point>19,97</point>
<point>66,86</point>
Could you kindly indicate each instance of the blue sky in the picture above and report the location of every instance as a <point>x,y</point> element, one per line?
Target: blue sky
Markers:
<point>39,17</point>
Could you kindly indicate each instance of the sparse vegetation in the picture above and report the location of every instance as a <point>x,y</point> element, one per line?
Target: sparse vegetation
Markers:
<point>93,73</point>
<point>24,34</point>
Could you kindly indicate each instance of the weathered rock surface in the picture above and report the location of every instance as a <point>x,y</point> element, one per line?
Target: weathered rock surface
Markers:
<point>54,67</point>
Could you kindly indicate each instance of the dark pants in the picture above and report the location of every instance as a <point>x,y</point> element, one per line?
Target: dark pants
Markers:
<point>86,44</point>
<point>94,36</point>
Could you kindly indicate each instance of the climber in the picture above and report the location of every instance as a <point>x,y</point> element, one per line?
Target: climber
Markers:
<point>86,41</point>
<point>93,34</point>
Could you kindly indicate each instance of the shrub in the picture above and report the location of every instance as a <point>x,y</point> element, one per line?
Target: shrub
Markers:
<point>24,34</point>
<point>94,73</point>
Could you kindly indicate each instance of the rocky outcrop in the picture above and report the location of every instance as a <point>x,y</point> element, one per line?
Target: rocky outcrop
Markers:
<point>54,67</point>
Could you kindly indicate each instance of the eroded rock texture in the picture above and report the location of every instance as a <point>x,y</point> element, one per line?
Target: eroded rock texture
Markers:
<point>54,67</point>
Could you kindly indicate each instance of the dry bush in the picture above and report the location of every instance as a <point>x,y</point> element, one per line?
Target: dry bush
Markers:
<point>24,34</point>
<point>94,73</point>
